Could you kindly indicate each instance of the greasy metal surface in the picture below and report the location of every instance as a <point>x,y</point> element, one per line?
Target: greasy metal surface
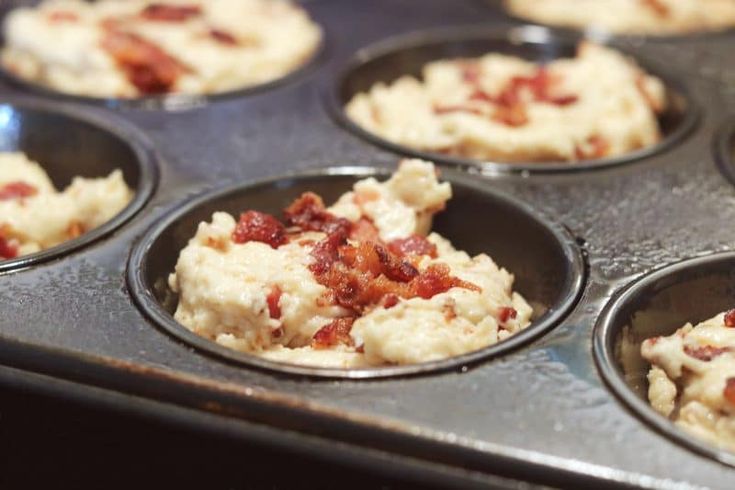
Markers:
<point>542,412</point>
<point>549,270</point>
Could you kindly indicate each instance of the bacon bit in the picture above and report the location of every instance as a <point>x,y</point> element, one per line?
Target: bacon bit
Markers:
<point>308,213</point>
<point>62,16</point>
<point>170,13</point>
<point>148,67</point>
<point>730,319</point>
<point>514,115</point>
<point>17,190</point>
<point>729,391</point>
<point>259,227</point>
<point>597,147</point>
<point>413,245</point>
<point>505,313</point>
<point>325,252</point>
<point>390,301</point>
<point>277,333</point>
<point>274,309</point>
<point>75,230</point>
<point>393,267</point>
<point>660,9</point>
<point>336,332</point>
<point>705,353</point>
<point>360,348</point>
<point>449,109</point>
<point>364,231</point>
<point>436,279</point>
<point>223,37</point>
<point>8,249</point>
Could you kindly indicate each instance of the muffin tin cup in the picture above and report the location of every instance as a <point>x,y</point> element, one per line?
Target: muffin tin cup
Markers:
<point>387,60</point>
<point>549,269</point>
<point>69,141</point>
<point>723,147</point>
<point>174,101</point>
<point>659,303</point>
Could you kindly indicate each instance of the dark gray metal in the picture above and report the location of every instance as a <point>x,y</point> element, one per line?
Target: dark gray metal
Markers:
<point>540,413</point>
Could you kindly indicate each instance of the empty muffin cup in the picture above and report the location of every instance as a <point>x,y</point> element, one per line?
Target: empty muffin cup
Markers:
<point>393,58</point>
<point>69,142</point>
<point>543,256</point>
<point>656,306</point>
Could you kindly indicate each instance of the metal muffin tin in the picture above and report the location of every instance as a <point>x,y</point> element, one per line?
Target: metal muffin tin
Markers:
<point>541,412</point>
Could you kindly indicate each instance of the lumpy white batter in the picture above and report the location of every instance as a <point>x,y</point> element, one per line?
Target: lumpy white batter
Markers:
<point>223,287</point>
<point>223,45</point>
<point>653,17</point>
<point>599,104</point>
<point>48,217</point>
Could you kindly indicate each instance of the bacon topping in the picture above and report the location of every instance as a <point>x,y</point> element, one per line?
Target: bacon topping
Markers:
<point>336,332</point>
<point>413,245</point>
<point>705,353</point>
<point>255,226</point>
<point>75,229</point>
<point>308,213</point>
<point>506,313</point>
<point>170,13</point>
<point>729,391</point>
<point>730,318</point>
<point>274,309</point>
<point>595,147</point>
<point>62,16</point>
<point>390,301</point>
<point>659,8</point>
<point>8,249</point>
<point>148,67</point>
<point>223,37</point>
<point>364,231</point>
<point>16,190</point>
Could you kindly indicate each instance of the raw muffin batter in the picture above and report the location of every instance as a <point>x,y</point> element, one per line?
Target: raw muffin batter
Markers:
<point>356,284</point>
<point>692,378</point>
<point>35,216</point>
<point>131,48</point>
<point>653,17</point>
<point>504,108</point>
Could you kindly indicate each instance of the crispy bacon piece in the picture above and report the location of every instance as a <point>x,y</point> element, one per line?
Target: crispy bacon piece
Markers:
<point>8,249</point>
<point>514,115</point>
<point>170,13</point>
<point>16,190</point>
<point>325,252</point>
<point>705,353</point>
<point>58,16</point>
<point>274,309</point>
<point>255,226</point>
<point>309,213</point>
<point>730,318</point>
<point>148,67</point>
<point>506,313</point>
<point>336,332</point>
<point>365,231</point>
<point>436,279</point>
<point>390,300</point>
<point>729,391</point>
<point>223,37</point>
<point>413,245</point>
<point>659,8</point>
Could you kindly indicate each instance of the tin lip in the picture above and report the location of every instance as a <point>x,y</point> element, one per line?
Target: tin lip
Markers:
<point>145,159</point>
<point>143,297</point>
<point>723,147</point>
<point>606,332</point>
<point>514,36</point>
<point>175,102</point>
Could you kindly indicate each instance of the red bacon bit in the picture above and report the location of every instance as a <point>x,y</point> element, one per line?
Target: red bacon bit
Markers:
<point>274,309</point>
<point>413,245</point>
<point>660,9</point>
<point>729,391</point>
<point>223,37</point>
<point>277,333</point>
<point>148,67</point>
<point>170,13</point>
<point>436,279</point>
<point>364,231</point>
<point>705,353</point>
<point>597,147</point>
<point>308,213</point>
<point>506,313</point>
<point>390,301</point>
<point>336,332</point>
<point>17,190</point>
<point>8,249</point>
<point>514,115</point>
<point>730,319</point>
<point>62,16</point>
<point>255,226</point>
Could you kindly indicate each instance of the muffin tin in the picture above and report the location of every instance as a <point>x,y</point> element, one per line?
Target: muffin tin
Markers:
<point>536,410</point>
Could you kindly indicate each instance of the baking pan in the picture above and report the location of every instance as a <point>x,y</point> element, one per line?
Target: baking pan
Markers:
<point>542,412</point>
